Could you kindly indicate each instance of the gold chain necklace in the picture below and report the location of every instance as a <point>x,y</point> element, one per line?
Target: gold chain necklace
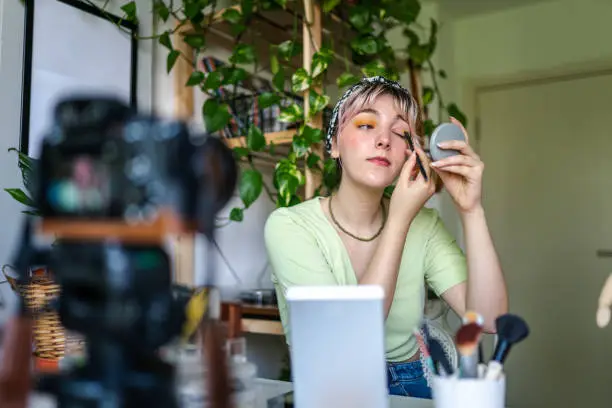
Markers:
<point>384,213</point>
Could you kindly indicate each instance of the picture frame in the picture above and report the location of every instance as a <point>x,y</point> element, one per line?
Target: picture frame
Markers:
<point>71,47</point>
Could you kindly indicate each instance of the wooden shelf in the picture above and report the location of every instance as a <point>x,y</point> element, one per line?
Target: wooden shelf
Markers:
<point>278,138</point>
<point>272,27</point>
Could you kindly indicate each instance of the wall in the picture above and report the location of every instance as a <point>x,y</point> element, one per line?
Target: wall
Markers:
<point>11,67</point>
<point>522,42</point>
<point>11,40</point>
<point>525,41</point>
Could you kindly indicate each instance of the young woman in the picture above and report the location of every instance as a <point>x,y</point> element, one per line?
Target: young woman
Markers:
<point>356,237</point>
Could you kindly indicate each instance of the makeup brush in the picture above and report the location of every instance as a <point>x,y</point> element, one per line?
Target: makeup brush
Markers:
<point>408,136</point>
<point>511,329</point>
<point>474,317</point>
<point>439,357</point>
<point>467,339</point>
<point>424,350</point>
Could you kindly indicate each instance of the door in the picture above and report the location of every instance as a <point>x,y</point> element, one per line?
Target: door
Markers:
<point>547,148</point>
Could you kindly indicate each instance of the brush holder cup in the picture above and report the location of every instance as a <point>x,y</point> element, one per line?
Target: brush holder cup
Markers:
<point>453,392</point>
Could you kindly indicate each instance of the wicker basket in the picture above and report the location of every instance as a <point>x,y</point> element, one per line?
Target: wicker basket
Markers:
<point>50,337</point>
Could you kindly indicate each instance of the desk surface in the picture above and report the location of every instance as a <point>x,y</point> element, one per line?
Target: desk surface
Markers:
<point>267,389</point>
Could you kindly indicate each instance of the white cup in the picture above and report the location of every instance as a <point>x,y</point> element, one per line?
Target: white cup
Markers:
<point>453,392</point>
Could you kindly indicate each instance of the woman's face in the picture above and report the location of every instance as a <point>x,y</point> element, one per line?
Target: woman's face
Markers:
<point>371,144</point>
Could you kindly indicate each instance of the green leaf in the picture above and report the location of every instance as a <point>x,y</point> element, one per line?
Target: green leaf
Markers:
<point>233,75</point>
<point>317,102</point>
<point>164,40</point>
<point>312,135</point>
<point>289,49</point>
<point>161,10</point>
<point>428,95</point>
<point>433,40</point>
<point>243,54</point>
<point>20,196</point>
<point>195,78</point>
<point>454,111</point>
<point>172,57</point>
<point>193,10</point>
<point>240,152</point>
<point>274,64</point>
<point>246,6</point>
<point>268,99</point>
<point>360,17</point>
<point>26,165</point>
<point>418,53</point>
<point>288,184</point>
<point>213,80</point>
<point>28,212</point>
<point>255,138</point>
<point>236,29</point>
<point>250,186</point>
<point>320,61</point>
<point>237,214</point>
<point>194,40</point>
<point>130,10</point>
<point>278,81</point>
<point>406,11</point>
<point>329,5</point>
<point>300,145</point>
<point>389,191</point>
<point>313,160</point>
<point>232,16</point>
<point>282,3</point>
<point>300,80</point>
<point>365,45</point>
<point>291,114</point>
<point>216,115</point>
<point>442,74</point>
<point>331,177</point>
<point>271,148</point>
<point>346,79</point>
<point>375,68</point>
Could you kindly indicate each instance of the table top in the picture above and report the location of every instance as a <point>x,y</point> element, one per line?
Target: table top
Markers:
<point>267,389</point>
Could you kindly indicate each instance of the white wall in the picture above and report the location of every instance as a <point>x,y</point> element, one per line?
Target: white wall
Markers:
<point>543,38</point>
<point>11,67</point>
<point>11,40</point>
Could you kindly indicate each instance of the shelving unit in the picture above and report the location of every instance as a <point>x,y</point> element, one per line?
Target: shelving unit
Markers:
<point>268,27</point>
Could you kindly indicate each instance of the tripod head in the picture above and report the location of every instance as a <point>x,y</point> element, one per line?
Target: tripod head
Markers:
<point>112,186</point>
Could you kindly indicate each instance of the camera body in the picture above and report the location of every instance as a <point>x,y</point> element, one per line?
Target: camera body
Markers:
<point>101,160</point>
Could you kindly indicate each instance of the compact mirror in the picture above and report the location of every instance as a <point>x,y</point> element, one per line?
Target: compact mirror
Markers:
<point>442,133</point>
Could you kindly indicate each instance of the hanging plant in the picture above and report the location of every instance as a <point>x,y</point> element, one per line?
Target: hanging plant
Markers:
<point>365,52</point>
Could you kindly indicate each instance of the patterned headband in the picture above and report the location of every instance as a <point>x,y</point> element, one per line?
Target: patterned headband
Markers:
<point>333,123</point>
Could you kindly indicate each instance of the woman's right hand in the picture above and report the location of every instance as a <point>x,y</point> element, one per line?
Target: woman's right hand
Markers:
<point>411,191</point>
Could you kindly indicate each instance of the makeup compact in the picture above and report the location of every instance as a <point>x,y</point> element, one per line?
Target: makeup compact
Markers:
<point>442,133</point>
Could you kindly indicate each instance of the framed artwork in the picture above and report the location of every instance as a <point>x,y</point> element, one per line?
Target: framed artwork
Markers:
<point>71,48</point>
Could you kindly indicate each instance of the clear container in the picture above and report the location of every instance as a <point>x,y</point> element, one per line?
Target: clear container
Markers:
<point>192,373</point>
<point>190,377</point>
<point>243,374</point>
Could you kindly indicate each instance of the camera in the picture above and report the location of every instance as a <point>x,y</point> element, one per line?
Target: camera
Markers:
<point>105,175</point>
<point>102,160</point>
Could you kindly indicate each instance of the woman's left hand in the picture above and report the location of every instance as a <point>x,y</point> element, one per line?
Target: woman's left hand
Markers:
<point>462,173</point>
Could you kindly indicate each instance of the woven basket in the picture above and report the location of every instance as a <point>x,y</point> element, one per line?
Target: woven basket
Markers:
<point>50,337</point>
